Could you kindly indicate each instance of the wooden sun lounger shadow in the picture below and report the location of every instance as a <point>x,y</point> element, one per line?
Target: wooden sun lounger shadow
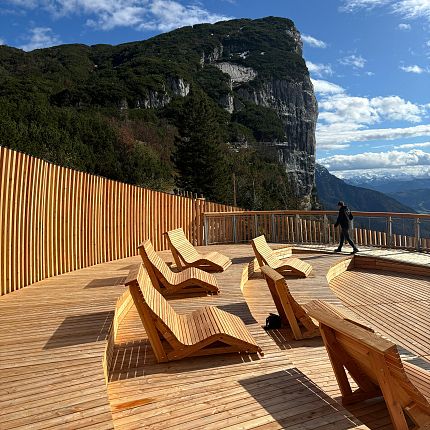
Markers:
<point>205,331</point>
<point>375,365</point>
<point>190,280</point>
<point>290,266</point>
<point>185,255</point>
<point>291,313</point>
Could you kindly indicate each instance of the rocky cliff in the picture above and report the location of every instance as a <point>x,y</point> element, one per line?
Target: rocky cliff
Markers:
<point>252,69</point>
<point>288,92</point>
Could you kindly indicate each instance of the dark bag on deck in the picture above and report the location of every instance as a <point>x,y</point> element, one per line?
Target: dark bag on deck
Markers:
<point>273,321</point>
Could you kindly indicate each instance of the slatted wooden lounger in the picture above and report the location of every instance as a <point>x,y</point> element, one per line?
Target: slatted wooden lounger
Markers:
<point>289,310</point>
<point>375,365</point>
<point>206,331</point>
<point>267,257</point>
<point>191,280</point>
<point>185,254</point>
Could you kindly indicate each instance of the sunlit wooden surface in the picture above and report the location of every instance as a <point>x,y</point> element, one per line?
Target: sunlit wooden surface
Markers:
<point>54,335</point>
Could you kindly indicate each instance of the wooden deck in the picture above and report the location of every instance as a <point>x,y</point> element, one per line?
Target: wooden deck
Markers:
<point>54,334</point>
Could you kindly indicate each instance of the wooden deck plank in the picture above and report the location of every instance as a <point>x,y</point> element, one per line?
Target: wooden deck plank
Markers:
<point>51,348</point>
<point>54,334</point>
<point>397,307</point>
<point>221,391</point>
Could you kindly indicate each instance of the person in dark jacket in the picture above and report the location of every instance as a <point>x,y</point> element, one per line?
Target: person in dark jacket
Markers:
<point>343,219</point>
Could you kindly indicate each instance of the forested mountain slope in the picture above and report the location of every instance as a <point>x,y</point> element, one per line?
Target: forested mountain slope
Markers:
<point>121,111</point>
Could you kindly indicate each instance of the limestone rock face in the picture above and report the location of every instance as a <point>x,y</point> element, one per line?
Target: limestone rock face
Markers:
<point>289,94</point>
<point>159,99</point>
<point>237,73</point>
<point>296,105</point>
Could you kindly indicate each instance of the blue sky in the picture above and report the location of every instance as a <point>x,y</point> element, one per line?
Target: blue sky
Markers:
<point>369,61</point>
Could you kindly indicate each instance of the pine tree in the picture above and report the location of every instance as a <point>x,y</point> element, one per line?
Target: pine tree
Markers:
<point>199,151</point>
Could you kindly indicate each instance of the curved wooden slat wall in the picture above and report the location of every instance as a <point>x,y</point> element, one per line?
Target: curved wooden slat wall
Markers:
<point>54,220</point>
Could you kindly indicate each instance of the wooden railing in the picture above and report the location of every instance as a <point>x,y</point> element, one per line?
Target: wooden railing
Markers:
<point>54,220</point>
<point>382,229</point>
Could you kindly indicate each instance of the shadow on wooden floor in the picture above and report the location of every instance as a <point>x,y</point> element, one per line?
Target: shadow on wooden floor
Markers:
<point>135,359</point>
<point>80,329</point>
<point>241,260</point>
<point>106,282</point>
<point>241,309</point>
<point>284,338</point>
<point>294,401</point>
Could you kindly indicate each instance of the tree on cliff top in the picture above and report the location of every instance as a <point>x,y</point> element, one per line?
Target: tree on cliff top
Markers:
<point>199,150</point>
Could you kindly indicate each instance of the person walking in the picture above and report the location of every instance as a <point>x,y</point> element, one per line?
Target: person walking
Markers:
<point>343,219</point>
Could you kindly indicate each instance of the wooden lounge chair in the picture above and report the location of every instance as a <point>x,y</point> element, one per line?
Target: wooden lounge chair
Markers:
<point>289,310</point>
<point>185,254</point>
<point>267,257</point>
<point>191,280</point>
<point>375,365</point>
<point>206,331</point>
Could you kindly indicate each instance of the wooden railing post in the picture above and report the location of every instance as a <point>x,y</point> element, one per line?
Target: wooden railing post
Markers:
<point>326,230</point>
<point>273,234</point>
<point>206,231</point>
<point>297,228</point>
<point>234,229</point>
<point>389,232</point>
<point>418,234</point>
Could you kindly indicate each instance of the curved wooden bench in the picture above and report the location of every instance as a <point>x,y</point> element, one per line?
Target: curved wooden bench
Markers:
<point>206,331</point>
<point>289,310</point>
<point>185,255</point>
<point>375,365</point>
<point>267,257</point>
<point>191,280</point>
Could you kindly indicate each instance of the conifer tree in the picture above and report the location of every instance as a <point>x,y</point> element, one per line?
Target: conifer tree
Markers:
<point>199,151</point>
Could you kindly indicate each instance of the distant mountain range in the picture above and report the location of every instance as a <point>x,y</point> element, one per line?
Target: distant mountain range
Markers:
<point>331,189</point>
<point>412,192</point>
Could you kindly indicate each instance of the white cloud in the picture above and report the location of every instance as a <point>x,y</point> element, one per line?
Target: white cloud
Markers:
<point>171,14</point>
<point>377,160</point>
<point>325,87</point>
<point>40,37</point>
<point>162,15</point>
<point>30,4</point>
<point>344,118</point>
<point>409,9</point>
<point>406,173</point>
<point>319,69</point>
<point>352,5</point>
<point>2,42</point>
<point>394,108</point>
<point>413,69</point>
<point>313,42</point>
<point>413,145</point>
<point>403,26</point>
<point>339,136</point>
<point>356,61</point>
<point>412,8</point>
<point>361,111</point>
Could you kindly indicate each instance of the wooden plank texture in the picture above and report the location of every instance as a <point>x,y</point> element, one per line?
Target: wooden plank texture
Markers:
<point>54,220</point>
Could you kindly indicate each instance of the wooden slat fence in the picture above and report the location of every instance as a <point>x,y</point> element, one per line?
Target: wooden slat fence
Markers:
<point>54,220</point>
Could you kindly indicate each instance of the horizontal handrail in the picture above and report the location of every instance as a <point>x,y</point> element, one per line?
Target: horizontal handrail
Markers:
<point>321,212</point>
<point>390,229</point>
